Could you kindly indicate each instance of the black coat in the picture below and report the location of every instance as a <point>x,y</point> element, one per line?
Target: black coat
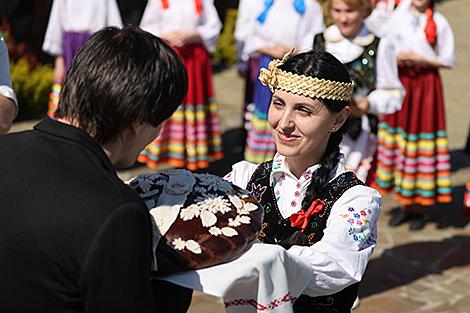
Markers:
<point>73,236</point>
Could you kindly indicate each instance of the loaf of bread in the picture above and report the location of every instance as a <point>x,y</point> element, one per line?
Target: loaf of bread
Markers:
<point>200,220</point>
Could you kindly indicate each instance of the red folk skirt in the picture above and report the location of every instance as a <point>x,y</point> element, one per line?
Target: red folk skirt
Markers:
<point>413,156</point>
<point>190,138</point>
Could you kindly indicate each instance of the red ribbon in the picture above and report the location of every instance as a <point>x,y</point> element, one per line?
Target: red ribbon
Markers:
<point>430,28</point>
<point>197,3</point>
<point>302,218</point>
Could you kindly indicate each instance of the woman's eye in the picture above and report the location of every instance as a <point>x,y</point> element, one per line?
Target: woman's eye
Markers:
<point>304,111</point>
<point>278,104</point>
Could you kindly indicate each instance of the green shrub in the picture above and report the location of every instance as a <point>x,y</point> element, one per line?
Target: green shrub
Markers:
<point>32,88</point>
<point>226,51</point>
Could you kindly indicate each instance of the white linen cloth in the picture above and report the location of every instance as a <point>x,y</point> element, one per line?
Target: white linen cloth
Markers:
<point>266,278</point>
<point>283,25</point>
<point>340,258</point>
<point>181,15</point>
<point>78,16</point>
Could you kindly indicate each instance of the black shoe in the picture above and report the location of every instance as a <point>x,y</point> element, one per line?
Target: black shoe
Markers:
<point>399,218</point>
<point>418,221</point>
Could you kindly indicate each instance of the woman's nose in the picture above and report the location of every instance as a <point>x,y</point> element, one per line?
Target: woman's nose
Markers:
<point>286,121</point>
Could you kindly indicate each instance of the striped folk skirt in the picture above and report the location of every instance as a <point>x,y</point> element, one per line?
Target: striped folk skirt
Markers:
<point>413,156</point>
<point>260,145</point>
<point>190,138</point>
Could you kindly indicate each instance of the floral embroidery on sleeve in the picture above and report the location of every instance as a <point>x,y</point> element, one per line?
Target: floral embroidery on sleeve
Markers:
<point>359,226</point>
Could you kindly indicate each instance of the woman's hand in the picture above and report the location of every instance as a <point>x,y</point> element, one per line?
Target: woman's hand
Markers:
<point>7,114</point>
<point>412,58</point>
<point>360,107</point>
<point>182,37</point>
<point>277,51</point>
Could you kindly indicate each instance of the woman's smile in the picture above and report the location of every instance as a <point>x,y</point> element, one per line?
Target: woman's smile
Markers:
<point>287,138</point>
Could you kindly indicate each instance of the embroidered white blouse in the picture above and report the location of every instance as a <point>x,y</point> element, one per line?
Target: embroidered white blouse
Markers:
<point>78,16</point>
<point>408,35</point>
<point>181,15</point>
<point>283,25</point>
<point>340,258</point>
<point>388,95</point>
<point>5,78</point>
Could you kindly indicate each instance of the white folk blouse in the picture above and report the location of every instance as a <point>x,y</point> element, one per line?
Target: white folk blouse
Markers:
<point>283,25</point>
<point>78,16</point>
<point>181,15</point>
<point>408,35</point>
<point>377,22</point>
<point>340,258</point>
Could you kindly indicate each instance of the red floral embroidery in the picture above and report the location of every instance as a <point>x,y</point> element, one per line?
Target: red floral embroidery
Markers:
<point>287,298</point>
<point>302,218</point>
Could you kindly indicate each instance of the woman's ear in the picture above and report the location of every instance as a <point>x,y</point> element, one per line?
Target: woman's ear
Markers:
<point>340,118</point>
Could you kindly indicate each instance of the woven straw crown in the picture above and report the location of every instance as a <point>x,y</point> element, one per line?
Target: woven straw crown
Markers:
<point>303,85</point>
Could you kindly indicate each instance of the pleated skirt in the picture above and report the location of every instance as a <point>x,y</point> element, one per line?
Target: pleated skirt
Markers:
<point>260,145</point>
<point>413,156</point>
<point>190,138</point>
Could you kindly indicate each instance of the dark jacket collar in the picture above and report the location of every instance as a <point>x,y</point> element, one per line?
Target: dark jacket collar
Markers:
<point>68,132</point>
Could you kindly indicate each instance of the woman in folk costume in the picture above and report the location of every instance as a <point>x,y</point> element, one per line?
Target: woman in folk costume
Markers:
<point>377,22</point>
<point>313,206</point>
<point>413,150</point>
<point>373,69</point>
<point>191,137</point>
<point>71,23</point>
<point>271,28</point>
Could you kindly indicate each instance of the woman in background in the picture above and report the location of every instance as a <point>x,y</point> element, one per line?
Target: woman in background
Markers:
<point>71,23</point>
<point>371,64</point>
<point>413,155</point>
<point>191,137</point>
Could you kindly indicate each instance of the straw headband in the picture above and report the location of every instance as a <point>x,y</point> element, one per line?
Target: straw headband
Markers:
<point>303,85</point>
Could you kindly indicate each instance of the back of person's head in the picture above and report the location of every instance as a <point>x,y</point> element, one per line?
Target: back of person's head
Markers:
<point>120,77</point>
<point>322,65</point>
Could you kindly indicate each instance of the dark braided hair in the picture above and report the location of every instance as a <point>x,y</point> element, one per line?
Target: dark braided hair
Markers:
<point>322,65</point>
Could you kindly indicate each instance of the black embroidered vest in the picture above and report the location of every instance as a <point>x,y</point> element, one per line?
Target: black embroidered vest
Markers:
<point>363,71</point>
<point>277,230</point>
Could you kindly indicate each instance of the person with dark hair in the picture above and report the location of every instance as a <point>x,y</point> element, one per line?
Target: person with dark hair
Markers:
<point>413,151</point>
<point>266,30</point>
<point>371,65</point>
<point>313,206</point>
<point>75,238</point>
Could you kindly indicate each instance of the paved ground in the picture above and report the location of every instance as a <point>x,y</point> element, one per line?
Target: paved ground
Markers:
<point>424,271</point>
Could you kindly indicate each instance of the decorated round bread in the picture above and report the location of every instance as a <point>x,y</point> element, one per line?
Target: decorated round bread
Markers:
<point>200,220</point>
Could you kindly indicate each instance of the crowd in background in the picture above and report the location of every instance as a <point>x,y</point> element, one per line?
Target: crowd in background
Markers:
<point>389,144</point>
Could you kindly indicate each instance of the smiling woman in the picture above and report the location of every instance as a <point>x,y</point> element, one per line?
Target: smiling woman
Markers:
<point>313,206</point>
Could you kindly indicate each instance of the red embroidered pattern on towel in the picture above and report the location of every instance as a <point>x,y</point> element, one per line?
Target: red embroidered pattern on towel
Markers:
<point>260,307</point>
